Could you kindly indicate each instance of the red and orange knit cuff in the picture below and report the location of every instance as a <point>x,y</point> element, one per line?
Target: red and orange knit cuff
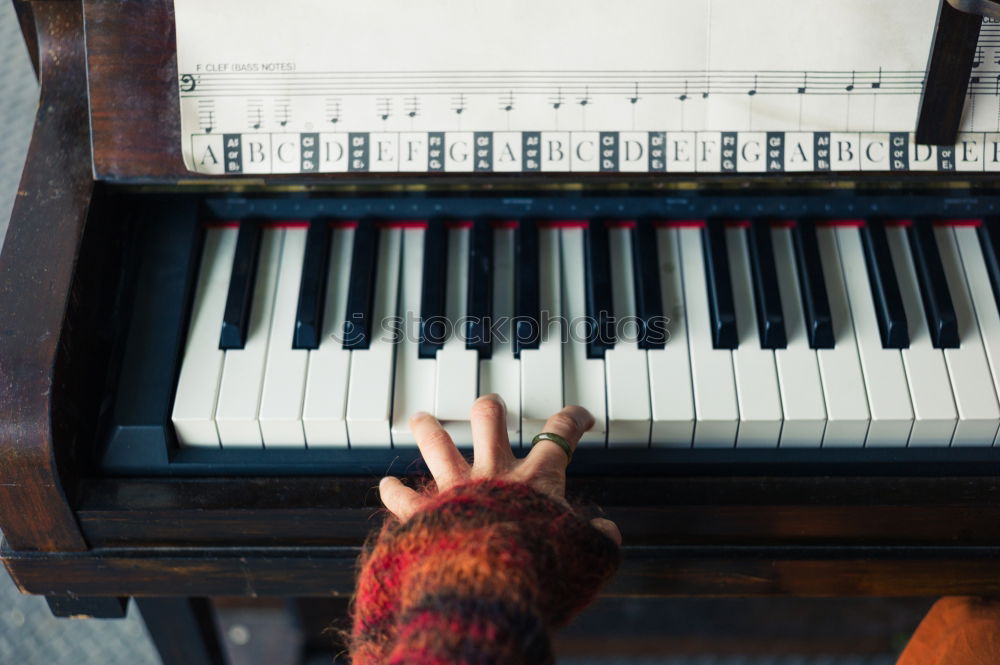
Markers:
<point>489,565</point>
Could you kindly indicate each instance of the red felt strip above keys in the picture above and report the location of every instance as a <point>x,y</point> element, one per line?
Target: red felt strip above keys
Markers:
<point>403,224</point>
<point>975,223</point>
<point>680,223</point>
<point>564,223</point>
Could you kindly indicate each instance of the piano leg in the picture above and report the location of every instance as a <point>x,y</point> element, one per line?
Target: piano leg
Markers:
<point>183,630</point>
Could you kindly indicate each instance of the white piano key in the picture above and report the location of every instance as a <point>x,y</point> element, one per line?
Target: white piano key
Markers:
<point>501,372</point>
<point>415,376</point>
<point>753,366</point>
<point>457,368</point>
<point>934,414</point>
<point>981,294</point>
<point>885,378</point>
<point>243,372</point>
<point>201,367</point>
<point>671,400</point>
<point>285,375</point>
<point>972,383</point>
<point>626,366</point>
<point>583,377</point>
<point>324,414</point>
<point>541,368</point>
<point>844,389</point>
<point>798,367</point>
<point>713,382</point>
<point>369,397</point>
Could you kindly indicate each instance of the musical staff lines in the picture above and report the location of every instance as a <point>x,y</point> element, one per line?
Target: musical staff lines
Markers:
<point>558,84</point>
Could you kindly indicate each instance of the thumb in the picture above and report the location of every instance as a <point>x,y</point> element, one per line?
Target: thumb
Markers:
<point>608,528</point>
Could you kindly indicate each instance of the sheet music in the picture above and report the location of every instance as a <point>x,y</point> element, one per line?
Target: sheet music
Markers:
<point>316,86</point>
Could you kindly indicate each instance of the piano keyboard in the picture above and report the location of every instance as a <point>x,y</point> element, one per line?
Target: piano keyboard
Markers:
<point>767,333</point>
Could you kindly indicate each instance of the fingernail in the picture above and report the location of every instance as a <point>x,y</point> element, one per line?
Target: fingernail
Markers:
<point>496,398</point>
<point>583,417</point>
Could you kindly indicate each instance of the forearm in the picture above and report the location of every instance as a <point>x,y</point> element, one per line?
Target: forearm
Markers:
<point>483,574</point>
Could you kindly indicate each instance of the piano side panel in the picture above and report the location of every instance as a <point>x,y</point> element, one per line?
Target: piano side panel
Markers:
<point>36,270</point>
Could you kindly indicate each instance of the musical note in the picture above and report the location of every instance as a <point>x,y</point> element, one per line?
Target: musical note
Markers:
<point>206,115</point>
<point>753,91</point>
<point>384,108</point>
<point>850,87</point>
<point>634,99</point>
<point>583,101</point>
<point>878,84</point>
<point>283,112</point>
<point>684,95</point>
<point>507,103</point>
<point>805,83</point>
<point>978,60</point>
<point>256,114</point>
<point>413,107</point>
<point>333,110</point>
<point>188,82</point>
<point>558,100</point>
<point>458,104</point>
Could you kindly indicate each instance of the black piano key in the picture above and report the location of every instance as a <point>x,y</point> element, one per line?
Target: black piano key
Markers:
<point>361,292</point>
<point>236,319</point>
<point>885,287</point>
<point>600,307</point>
<point>989,240</point>
<point>312,287</point>
<point>433,282</point>
<point>527,308</point>
<point>722,313</point>
<point>941,318</point>
<point>812,285</point>
<point>648,295</point>
<point>767,296</point>
<point>479,309</point>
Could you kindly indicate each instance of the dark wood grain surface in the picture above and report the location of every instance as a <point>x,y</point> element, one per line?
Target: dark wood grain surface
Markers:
<point>655,571</point>
<point>949,67</point>
<point>722,511</point>
<point>36,270</point>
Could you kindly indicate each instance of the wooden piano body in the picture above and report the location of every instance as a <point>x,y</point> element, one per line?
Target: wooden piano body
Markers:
<point>107,131</point>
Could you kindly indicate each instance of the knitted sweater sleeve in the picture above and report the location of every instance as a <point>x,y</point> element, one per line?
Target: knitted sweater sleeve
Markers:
<point>480,575</point>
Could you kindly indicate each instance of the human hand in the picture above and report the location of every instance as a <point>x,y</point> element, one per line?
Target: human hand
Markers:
<point>544,467</point>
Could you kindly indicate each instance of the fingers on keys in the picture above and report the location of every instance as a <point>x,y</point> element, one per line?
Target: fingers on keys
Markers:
<point>492,454</point>
<point>570,424</point>
<point>399,499</point>
<point>446,464</point>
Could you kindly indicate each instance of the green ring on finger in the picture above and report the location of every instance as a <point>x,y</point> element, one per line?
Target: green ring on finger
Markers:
<point>556,439</point>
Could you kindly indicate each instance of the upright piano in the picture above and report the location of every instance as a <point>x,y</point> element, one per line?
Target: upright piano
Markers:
<point>207,361</point>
